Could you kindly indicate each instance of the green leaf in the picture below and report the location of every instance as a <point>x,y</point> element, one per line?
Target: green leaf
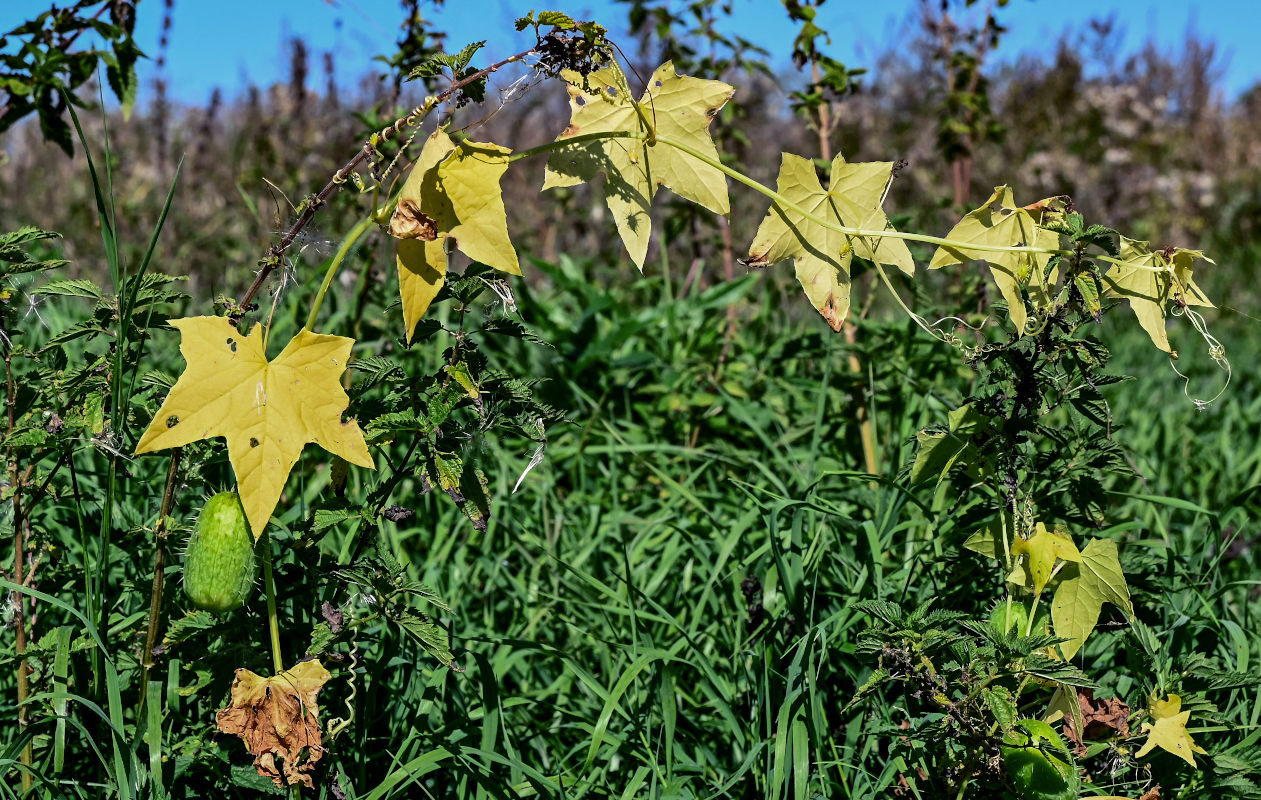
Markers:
<point>939,451</point>
<point>71,288</point>
<point>430,636</point>
<point>1083,589</point>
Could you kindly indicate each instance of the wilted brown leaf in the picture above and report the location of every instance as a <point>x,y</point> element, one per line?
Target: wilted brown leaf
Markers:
<point>1102,719</point>
<point>278,718</point>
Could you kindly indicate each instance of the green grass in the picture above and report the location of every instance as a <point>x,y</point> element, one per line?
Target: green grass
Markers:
<point>666,605</point>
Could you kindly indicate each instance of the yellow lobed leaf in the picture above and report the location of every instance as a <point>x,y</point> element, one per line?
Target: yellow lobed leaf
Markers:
<point>278,718</point>
<point>452,193</point>
<point>1168,730</point>
<point>266,410</point>
<point>1083,589</point>
<point>1043,549</point>
<point>999,222</point>
<point>860,191</point>
<point>679,108</point>
<point>821,256</point>
<point>1150,281</point>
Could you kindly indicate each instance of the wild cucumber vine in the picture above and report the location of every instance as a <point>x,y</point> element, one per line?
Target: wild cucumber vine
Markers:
<point>452,199</point>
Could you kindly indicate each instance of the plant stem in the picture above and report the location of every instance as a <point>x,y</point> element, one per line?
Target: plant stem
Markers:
<point>273,626</point>
<point>159,566</point>
<point>27,756</point>
<point>273,622</point>
<point>740,177</point>
<point>355,234</point>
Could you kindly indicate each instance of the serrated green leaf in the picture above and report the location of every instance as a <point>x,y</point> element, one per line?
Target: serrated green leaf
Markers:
<point>431,637</point>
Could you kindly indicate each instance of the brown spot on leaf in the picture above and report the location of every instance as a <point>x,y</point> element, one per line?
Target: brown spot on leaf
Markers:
<point>834,316</point>
<point>757,260</point>
<point>409,222</point>
<point>278,719</point>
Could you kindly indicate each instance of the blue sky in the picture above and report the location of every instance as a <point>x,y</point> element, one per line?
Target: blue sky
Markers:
<point>231,43</point>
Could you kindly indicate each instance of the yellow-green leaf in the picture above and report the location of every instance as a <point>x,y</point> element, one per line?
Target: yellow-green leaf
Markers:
<point>1168,730</point>
<point>1150,281</point>
<point>999,222</point>
<point>821,255</point>
<point>1083,589</point>
<point>859,190</point>
<point>452,193</point>
<point>679,108</point>
<point>267,410</point>
<point>1043,549</point>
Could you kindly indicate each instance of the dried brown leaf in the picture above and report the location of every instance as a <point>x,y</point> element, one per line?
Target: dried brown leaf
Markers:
<point>278,719</point>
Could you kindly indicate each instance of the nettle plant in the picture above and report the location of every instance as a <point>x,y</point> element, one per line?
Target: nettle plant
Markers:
<point>1022,456</point>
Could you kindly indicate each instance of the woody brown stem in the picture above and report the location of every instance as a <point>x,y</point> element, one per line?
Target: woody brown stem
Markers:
<point>159,565</point>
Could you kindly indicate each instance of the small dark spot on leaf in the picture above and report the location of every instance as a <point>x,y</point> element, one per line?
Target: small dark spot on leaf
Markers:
<point>657,84</point>
<point>253,442</point>
<point>172,421</point>
<point>580,100</point>
<point>232,344</point>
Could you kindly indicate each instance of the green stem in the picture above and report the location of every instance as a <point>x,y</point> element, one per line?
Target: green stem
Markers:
<point>572,140</point>
<point>355,234</point>
<point>273,622</point>
<point>761,188</point>
<point>740,177</point>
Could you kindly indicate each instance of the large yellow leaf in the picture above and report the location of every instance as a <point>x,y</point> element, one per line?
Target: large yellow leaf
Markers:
<point>821,256</point>
<point>267,411</point>
<point>1150,281</point>
<point>1084,587</point>
<point>677,107</point>
<point>1168,730</point>
<point>999,222</point>
<point>452,193</point>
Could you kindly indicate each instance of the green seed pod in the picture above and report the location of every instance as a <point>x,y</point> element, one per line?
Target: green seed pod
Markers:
<point>1010,619</point>
<point>219,567</point>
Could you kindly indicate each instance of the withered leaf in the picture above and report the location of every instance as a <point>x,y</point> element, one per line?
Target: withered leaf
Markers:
<point>278,719</point>
<point>1101,718</point>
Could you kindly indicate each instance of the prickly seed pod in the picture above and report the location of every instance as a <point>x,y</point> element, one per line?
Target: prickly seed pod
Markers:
<point>219,565</point>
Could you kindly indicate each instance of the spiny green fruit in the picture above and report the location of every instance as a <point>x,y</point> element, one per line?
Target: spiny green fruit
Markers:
<point>1010,619</point>
<point>1038,764</point>
<point>219,567</point>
